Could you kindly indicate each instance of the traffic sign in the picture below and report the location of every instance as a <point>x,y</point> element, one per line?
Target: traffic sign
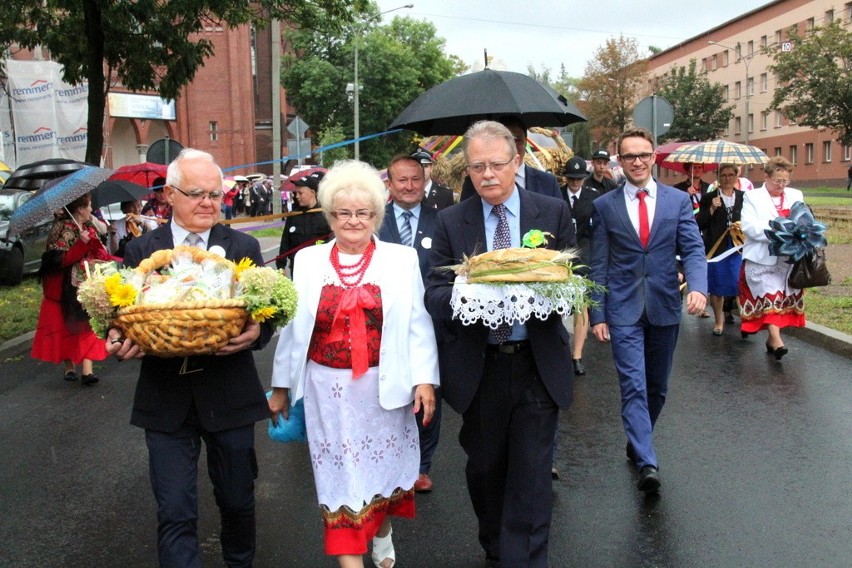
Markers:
<point>655,114</point>
<point>298,127</point>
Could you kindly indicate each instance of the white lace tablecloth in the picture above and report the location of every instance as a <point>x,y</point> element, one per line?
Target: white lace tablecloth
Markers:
<point>494,304</point>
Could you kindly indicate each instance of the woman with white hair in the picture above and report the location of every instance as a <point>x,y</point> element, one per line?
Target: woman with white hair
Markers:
<point>360,349</point>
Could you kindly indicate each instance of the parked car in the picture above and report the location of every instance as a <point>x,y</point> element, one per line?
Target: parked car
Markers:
<point>22,253</point>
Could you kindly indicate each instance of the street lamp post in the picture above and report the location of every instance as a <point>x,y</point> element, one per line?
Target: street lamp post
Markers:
<point>356,89</point>
<point>746,61</point>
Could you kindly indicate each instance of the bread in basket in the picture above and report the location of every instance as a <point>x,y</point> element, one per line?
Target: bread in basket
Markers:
<point>182,328</point>
<point>519,265</point>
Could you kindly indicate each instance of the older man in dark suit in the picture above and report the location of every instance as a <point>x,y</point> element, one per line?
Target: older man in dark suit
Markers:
<point>638,230</point>
<point>217,398</point>
<point>509,383</point>
<point>408,221</point>
<point>531,179</point>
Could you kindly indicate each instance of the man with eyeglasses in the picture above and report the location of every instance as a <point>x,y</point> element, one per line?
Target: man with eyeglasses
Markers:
<point>409,221</point>
<point>638,230</point>
<point>530,179</point>
<point>508,384</point>
<point>217,398</point>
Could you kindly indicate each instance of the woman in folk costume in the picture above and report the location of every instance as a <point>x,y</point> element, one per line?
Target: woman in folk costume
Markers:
<point>359,351</point>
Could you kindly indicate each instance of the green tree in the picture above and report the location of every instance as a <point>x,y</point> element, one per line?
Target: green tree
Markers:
<point>332,135</point>
<point>612,84</point>
<point>700,112</point>
<point>815,79</point>
<point>397,62</point>
<point>568,87</point>
<point>147,45</point>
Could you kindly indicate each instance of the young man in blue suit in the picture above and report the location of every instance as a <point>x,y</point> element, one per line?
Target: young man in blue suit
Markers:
<point>508,384</point>
<point>217,398</point>
<point>637,232</point>
<point>408,221</point>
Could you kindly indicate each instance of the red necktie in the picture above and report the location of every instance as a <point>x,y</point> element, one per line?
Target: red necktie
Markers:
<point>644,228</point>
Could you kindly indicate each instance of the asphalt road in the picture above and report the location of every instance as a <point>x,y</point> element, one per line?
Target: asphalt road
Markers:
<point>756,465</point>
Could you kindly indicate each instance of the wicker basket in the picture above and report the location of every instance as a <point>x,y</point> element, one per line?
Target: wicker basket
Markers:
<point>181,330</point>
<point>186,328</point>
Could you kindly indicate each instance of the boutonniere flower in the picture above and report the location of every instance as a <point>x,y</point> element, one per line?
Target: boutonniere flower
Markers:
<point>535,238</point>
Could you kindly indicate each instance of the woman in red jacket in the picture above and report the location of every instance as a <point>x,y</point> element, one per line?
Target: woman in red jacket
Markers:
<point>62,332</point>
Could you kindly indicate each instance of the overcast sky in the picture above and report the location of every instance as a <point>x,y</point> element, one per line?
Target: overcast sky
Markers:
<point>550,33</point>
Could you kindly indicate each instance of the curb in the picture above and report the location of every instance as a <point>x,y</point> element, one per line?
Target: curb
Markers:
<point>17,345</point>
<point>831,340</point>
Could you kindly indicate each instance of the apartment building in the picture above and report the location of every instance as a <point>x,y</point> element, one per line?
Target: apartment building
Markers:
<point>733,54</point>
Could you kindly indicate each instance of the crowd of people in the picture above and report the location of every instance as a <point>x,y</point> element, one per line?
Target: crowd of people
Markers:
<point>373,348</point>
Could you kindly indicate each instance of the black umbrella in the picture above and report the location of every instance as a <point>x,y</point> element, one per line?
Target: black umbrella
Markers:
<point>33,176</point>
<point>452,106</point>
<point>116,191</point>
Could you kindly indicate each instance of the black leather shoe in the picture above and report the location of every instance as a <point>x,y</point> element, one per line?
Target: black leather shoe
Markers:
<point>729,318</point>
<point>630,452</point>
<point>89,379</point>
<point>579,369</point>
<point>779,352</point>
<point>649,479</point>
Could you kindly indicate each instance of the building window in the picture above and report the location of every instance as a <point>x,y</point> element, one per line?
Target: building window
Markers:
<point>726,92</point>
<point>725,56</point>
<point>214,131</point>
<point>750,87</point>
<point>764,120</point>
<point>713,63</point>
<point>750,122</point>
<point>738,90</point>
<point>738,125</point>
<point>750,49</point>
<point>809,153</point>
<point>826,151</point>
<point>764,82</point>
<point>848,10</point>
<point>777,37</point>
<point>829,16</point>
<point>777,150</point>
<point>809,25</point>
<point>794,154</point>
<point>778,119</point>
<point>763,43</point>
<point>847,153</point>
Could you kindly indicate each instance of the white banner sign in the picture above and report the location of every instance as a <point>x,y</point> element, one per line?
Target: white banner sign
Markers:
<point>49,115</point>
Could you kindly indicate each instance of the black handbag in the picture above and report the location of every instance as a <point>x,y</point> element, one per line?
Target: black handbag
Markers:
<point>810,271</point>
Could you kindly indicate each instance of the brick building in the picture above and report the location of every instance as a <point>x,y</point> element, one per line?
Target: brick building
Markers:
<point>733,54</point>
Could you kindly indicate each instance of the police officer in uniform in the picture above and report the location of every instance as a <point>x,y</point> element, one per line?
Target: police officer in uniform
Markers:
<point>309,225</point>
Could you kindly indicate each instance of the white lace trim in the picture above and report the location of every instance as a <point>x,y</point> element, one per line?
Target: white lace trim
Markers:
<point>494,304</point>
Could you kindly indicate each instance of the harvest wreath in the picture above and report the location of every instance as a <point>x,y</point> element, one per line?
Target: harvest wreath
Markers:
<point>185,301</point>
<point>514,284</point>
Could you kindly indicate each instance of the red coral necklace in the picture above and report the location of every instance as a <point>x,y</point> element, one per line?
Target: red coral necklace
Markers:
<point>351,274</point>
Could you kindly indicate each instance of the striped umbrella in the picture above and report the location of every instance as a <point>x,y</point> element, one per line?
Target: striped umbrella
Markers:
<point>718,152</point>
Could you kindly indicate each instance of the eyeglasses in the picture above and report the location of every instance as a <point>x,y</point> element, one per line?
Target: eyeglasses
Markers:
<point>361,214</point>
<point>784,182</point>
<point>645,157</point>
<point>496,167</point>
<point>199,195</point>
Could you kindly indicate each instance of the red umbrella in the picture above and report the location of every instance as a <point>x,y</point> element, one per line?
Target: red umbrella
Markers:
<point>665,150</point>
<point>143,174</point>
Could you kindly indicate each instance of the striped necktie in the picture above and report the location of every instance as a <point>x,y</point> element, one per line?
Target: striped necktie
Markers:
<point>405,231</point>
<point>192,240</point>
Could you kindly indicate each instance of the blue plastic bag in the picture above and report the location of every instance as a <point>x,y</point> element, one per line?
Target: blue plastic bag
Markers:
<point>291,430</point>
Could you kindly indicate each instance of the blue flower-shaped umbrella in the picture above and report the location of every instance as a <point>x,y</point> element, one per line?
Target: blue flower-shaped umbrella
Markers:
<point>797,235</point>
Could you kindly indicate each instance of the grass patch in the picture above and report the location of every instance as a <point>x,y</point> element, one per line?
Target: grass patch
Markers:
<point>19,307</point>
<point>269,232</point>
<point>831,310</point>
<point>828,201</point>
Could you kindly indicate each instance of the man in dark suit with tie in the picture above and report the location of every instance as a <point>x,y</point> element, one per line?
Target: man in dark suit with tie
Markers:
<point>580,197</point>
<point>637,232</point>
<point>508,384</point>
<point>531,179</point>
<point>435,195</point>
<point>409,222</point>
<point>217,398</point>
